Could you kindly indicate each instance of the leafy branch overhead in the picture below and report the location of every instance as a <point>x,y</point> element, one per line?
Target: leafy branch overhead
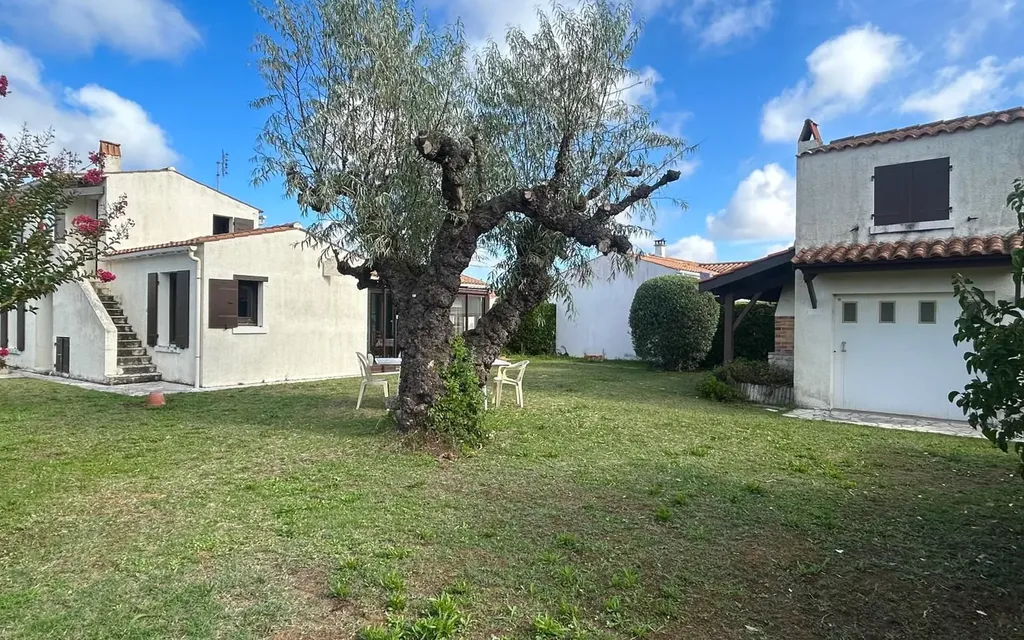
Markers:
<point>993,400</point>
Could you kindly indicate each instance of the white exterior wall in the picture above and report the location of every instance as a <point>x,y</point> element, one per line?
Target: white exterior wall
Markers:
<point>813,339</point>
<point>786,306</point>
<point>131,288</point>
<point>313,324</point>
<point>38,352</point>
<point>79,315</point>
<point>601,322</point>
<point>167,206</point>
<point>835,193</point>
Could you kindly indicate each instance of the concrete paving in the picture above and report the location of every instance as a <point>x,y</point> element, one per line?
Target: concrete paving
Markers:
<point>888,421</point>
<point>138,389</point>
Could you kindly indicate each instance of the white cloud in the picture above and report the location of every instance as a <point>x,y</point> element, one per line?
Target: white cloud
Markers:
<point>979,17</point>
<point>140,28</point>
<point>80,117</point>
<point>640,88</point>
<point>842,73</point>
<point>775,248</point>
<point>696,248</point>
<point>762,208</point>
<point>718,22</point>
<point>957,92</point>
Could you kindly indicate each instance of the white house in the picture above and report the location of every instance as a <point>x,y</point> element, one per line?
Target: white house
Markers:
<point>596,321</point>
<point>204,296</point>
<point>883,223</point>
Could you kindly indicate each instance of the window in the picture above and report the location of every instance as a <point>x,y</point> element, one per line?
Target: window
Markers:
<point>249,303</point>
<point>927,312</point>
<point>474,311</point>
<point>849,312</point>
<point>912,192</point>
<point>887,312</point>
<point>458,314</point>
<point>221,225</point>
<point>466,311</point>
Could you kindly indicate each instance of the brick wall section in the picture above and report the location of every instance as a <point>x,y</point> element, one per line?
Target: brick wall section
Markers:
<point>783,334</point>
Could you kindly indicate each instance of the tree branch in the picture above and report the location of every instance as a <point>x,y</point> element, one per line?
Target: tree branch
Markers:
<point>363,273</point>
<point>454,158</point>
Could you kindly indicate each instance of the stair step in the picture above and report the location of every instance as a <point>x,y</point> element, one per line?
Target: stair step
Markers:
<point>124,342</point>
<point>129,361</point>
<point>130,352</point>
<point>105,299</point>
<point>134,378</point>
<point>119,320</point>
<point>135,369</point>
<point>124,328</point>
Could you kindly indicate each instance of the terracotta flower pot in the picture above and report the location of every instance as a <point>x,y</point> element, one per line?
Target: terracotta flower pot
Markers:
<point>155,399</point>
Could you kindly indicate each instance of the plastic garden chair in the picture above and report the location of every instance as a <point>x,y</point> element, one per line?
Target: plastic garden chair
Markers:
<point>369,380</point>
<point>511,375</point>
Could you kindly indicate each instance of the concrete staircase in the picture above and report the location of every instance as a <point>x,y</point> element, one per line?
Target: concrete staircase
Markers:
<point>133,363</point>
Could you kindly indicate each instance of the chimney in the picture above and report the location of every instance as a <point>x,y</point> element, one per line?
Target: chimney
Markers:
<point>809,138</point>
<point>112,153</point>
<point>659,248</point>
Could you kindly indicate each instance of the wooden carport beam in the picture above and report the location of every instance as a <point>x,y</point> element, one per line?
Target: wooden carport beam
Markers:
<point>809,281</point>
<point>750,305</point>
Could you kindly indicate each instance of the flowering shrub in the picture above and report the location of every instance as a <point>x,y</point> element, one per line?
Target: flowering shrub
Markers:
<point>89,227</point>
<point>97,158</point>
<point>92,177</point>
<point>105,276</point>
<point>36,189</point>
<point>3,355</point>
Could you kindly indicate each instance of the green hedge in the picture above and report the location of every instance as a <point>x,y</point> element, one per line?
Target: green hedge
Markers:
<point>754,339</point>
<point>672,322</point>
<point>754,372</point>
<point>536,335</point>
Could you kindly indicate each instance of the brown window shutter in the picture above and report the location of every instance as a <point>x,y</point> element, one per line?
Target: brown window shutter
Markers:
<point>181,309</point>
<point>892,194</point>
<point>243,224</point>
<point>223,304</point>
<point>20,338</point>
<point>152,297</point>
<point>929,191</point>
<point>3,328</point>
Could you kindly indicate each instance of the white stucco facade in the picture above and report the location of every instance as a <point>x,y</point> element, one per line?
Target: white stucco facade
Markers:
<point>311,324</point>
<point>870,360</point>
<point>599,320</point>
<point>166,205</point>
<point>130,289</point>
<point>835,193</point>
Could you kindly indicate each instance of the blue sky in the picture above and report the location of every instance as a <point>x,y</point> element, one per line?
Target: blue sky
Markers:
<point>171,80</point>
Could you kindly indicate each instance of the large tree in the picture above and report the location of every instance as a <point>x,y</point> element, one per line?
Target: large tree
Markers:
<point>415,151</point>
<point>37,254</point>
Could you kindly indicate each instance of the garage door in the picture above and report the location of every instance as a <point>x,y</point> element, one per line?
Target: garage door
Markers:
<point>895,354</point>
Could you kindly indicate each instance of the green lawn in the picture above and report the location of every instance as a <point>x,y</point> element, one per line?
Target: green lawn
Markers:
<point>615,505</point>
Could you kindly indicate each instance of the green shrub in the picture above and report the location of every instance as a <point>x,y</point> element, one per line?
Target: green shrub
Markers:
<point>458,415</point>
<point>536,335</point>
<point>754,339</point>
<point>754,372</point>
<point>672,323</point>
<point>711,388</point>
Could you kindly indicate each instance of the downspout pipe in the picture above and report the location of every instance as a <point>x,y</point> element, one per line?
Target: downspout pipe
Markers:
<point>199,314</point>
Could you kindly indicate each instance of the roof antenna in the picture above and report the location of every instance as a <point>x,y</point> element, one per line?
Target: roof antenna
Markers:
<point>222,167</point>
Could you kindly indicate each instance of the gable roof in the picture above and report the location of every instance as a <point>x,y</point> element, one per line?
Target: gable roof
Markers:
<point>470,281</point>
<point>963,123</point>
<point>204,239</point>
<point>689,265</point>
<point>955,247</point>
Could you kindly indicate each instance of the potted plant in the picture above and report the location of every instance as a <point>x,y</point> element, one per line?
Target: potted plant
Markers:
<point>3,362</point>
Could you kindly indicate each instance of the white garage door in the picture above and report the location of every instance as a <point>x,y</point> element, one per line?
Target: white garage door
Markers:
<point>895,354</point>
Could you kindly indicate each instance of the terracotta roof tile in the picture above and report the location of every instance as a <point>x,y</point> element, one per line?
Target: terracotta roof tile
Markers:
<point>722,267</point>
<point>955,247</point>
<point>471,281</point>
<point>964,123</point>
<point>212,238</point>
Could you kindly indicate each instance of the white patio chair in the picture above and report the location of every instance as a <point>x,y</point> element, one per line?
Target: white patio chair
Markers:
<point>369,379</point>
<point>511,375</point>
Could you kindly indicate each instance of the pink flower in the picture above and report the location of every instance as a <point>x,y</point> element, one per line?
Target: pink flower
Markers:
<point>36,169</point>
<point>90,227</point>
<point>92,177</point>
<point>3,350</point>
<point>105,276</point>
<point>97,158</point>
<point>3,86</point>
